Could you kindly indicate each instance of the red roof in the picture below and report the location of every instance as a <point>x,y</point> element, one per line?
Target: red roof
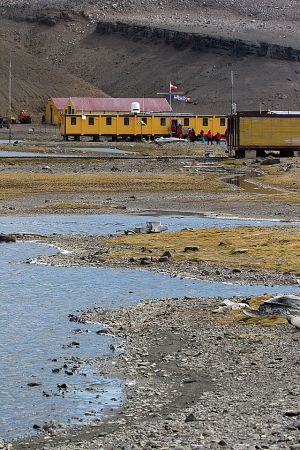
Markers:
<point>60,103</point>
<point>120,104</point>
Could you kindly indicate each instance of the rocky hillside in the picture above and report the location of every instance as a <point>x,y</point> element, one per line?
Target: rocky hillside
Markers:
<point>136,47</point>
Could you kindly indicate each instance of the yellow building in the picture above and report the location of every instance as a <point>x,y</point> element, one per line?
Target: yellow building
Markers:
<point>253,134</point>
<point>132,125</point>
<point>55,108</point>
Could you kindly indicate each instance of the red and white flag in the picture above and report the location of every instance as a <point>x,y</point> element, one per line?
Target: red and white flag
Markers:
<point>173,87</point>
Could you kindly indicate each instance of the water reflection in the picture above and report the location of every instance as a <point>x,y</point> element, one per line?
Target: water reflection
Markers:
<point>105,224</point>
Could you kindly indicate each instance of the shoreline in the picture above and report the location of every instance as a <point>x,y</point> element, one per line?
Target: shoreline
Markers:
<point>171,371</point>
<point>195,383</point>
<point>189,391</point>
<point>91,250</point>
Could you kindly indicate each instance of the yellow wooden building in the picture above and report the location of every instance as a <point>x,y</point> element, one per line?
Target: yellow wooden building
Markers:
<point>253,134</point>
<point>54,110</point>
<point>56,107</point>
<point>134,125</point>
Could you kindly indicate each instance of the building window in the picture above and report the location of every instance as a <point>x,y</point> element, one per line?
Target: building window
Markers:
<point>108,120</point>
<point>73,111</point>
<point>144,119</point>
<point>91,120</point>
<point>205,122</point>
<point>126,120</point>
<point>162,121</point>
<point>222,121</point>
<point>73,120</point>
<point>66,111</point>
<point>186,122</point>
<point>69,109</point>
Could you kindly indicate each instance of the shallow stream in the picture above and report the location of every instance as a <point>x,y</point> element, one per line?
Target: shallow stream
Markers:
<point>41,349</point>
<point>68,153</point>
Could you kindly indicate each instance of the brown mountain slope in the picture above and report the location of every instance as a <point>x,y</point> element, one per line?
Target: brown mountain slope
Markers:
<point>133,64</point>
<point>34,81</point>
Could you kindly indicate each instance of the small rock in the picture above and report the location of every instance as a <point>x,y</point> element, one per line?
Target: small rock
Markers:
<point>7,238</point>
<point>292,413</point>
<point>145,262</point>
<point>190,418</point>
<point>191,249</point>
<point>163,259</point>
<point>239,250</point>
<point>51,425</point>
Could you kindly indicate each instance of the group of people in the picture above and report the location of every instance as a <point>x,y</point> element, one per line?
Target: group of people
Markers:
<point>209,137</point>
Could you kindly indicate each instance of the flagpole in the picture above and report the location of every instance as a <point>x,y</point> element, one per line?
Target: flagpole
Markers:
<point>9,89</point>
<point>9,101</point>
<point>170,94</point>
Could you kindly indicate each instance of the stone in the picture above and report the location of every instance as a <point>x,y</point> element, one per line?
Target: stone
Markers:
<point>292,413</point>
<point>190,418</point>
<point>51,425</point>
<point>163,259</point>
<point>239,250</point>
<point>145,262</point>
<point>191,248</point>
<point>7,238</point>
<point>270,161</point>
<point>296,424</point>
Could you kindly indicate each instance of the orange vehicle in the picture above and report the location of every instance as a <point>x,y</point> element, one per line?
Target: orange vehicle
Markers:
<point>24,117</point>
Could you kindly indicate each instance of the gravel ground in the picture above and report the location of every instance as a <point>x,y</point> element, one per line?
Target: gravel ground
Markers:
<point>194,383</point>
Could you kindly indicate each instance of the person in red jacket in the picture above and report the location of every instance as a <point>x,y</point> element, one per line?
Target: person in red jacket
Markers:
<point>209,137</point>
<point>191,134</point>
<point>202,136</point>
<point>218,138</point>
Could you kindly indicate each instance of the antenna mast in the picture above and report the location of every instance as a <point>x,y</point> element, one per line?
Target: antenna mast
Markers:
<point>9,89</point>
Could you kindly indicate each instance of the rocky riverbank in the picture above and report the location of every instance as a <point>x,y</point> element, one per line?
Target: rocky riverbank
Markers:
<point>195,383</point>
<point>195,380</point>
<point>94,251</point>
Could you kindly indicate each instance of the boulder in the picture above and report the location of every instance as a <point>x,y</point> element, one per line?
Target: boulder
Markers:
<point>191,248</point>
<point>7,238</point>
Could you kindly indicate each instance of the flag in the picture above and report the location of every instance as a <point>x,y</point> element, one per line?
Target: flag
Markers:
<point>173,87</point>
<point>182,98</point>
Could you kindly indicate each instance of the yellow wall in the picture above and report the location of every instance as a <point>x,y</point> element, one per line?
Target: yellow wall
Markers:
<point>153,127</point>
<point>269,131</point>
<point>54,117</point>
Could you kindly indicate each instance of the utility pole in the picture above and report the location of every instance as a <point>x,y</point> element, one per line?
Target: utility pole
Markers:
<point>9,101</point>
<point>9,89</point>
<point>233,104</point>
<point>170,94</point>
<point>231,76</point>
